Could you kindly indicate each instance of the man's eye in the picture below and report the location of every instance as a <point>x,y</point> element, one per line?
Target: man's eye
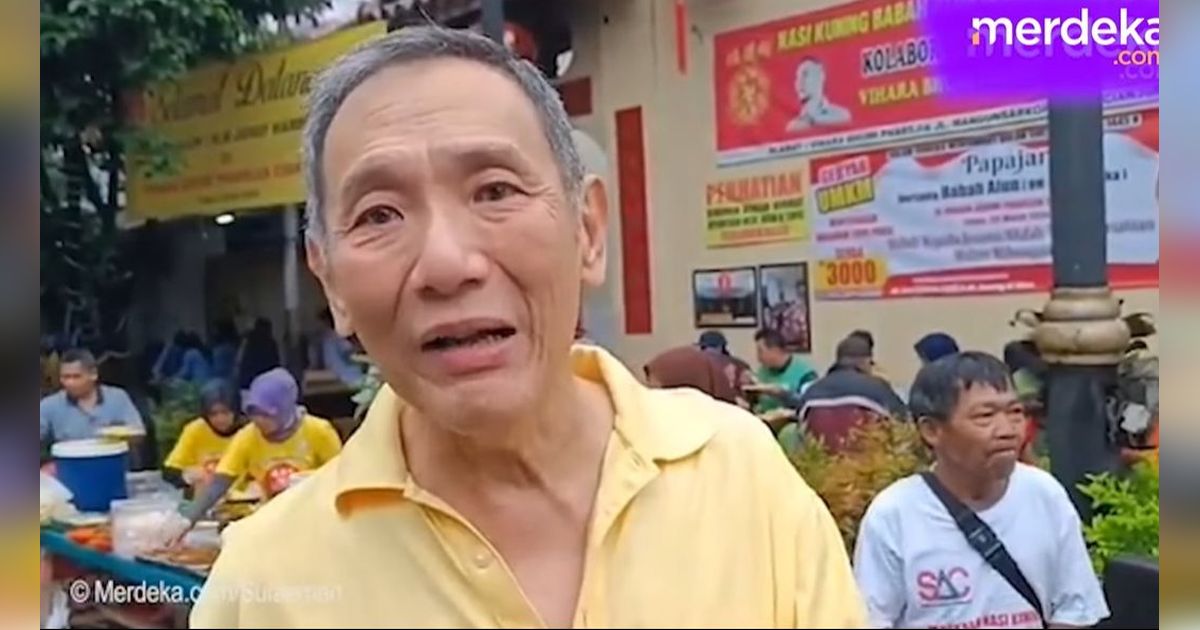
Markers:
<point>378,215</point>
<point>495,191</point>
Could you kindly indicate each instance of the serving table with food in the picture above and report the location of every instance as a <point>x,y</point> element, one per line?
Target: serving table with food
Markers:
<point>101,525</point>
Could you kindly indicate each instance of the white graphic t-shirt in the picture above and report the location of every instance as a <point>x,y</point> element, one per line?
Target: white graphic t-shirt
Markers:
<point>916,570</point>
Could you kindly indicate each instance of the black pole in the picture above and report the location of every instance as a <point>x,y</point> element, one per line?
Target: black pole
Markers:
<point>1082,324</point>
<point>492,19</point>
<point>1077,226</point>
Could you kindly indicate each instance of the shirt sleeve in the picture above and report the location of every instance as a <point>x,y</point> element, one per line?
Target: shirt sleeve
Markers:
<point>236,460</point>
<point>183,455</point>
<point>44,423</point>
<point>811,553</point>
<point>1075,597</point>
<point>129,412</point>
<point>879,571</point>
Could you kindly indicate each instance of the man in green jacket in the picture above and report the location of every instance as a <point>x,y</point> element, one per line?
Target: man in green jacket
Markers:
<point>783,372</point>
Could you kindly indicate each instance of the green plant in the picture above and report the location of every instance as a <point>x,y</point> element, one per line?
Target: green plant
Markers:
<point>180,405</point>
<point>366,392</point>
<point>1126,515</point>
<point>880,454</point>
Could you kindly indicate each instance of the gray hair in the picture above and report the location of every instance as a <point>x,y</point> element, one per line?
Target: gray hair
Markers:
<point>426,43</point>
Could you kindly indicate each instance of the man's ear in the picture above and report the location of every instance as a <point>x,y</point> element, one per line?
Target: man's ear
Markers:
<point>593,228</point>
<point>318,263</point>
<point>930,431</point>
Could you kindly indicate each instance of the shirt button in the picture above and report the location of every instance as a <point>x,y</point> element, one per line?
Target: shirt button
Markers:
<point>483,560</point>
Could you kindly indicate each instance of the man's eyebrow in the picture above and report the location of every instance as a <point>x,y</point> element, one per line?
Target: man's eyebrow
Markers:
<point>470,155</point>
<point>382,168</point>
<point>386,168</point>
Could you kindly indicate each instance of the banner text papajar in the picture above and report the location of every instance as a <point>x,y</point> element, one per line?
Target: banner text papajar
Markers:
<point>971,215</point>
<point>234,130</point>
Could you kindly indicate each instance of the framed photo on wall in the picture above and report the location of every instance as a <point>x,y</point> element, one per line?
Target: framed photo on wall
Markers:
<point>785,304</point>
<point>725,298</point>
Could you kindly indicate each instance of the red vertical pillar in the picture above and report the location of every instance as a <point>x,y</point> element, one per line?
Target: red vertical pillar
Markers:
<point>635,237</point>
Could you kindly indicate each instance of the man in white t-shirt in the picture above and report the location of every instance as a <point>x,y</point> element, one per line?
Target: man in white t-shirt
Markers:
<point>915,567</point>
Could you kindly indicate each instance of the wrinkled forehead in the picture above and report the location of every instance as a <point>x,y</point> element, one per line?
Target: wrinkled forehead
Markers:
<point>437,108</point>
<point>979,395</point>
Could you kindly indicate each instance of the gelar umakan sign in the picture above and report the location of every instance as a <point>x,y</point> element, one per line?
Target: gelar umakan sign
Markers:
<point>232,130</point>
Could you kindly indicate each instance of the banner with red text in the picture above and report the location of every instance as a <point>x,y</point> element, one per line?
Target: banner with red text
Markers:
<point>972,215</point>
<point>850,77</point>
<point>756,210</point>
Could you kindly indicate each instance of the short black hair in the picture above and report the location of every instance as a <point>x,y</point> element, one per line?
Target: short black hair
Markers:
<point>82,356</point>
<point>866,336</point>
<point>853,347</point>
<point>770,338</point>
<point>937,387</point>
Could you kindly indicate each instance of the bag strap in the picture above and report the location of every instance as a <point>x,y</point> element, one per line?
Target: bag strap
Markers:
<point>983,540</point>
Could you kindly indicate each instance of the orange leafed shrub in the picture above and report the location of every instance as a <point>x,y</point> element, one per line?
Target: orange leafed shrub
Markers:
<point>881,453</point>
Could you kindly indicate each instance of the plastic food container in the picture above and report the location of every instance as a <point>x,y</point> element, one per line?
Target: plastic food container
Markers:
<point>206,534</point>
<point>142,525</point>
<point>145,483</point>
<point>93,470</point>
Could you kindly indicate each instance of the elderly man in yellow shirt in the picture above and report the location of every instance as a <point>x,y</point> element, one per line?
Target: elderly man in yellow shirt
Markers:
<point>501,478</point>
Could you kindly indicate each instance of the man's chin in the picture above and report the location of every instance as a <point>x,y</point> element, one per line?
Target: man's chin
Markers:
<point>477,401</point>
<point>1002,466</point>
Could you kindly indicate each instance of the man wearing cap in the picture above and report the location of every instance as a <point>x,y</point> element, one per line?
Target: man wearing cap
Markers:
<point>852,379</point>
<point>846,395</point>
<point>503,478</point>
<point>280,441</point>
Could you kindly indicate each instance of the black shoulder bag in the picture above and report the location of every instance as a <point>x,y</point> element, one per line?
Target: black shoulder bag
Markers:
<point>983,540</point>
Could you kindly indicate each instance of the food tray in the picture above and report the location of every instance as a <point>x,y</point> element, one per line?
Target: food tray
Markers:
<point>164,560</point>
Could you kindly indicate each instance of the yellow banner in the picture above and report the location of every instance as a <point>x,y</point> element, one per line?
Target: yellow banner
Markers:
<point>850,276</point>
<point>235,130</point>
<point>755,210</point>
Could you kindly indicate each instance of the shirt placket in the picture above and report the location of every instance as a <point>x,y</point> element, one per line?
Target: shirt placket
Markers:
<point>626,476</point>
<point>481,564</point>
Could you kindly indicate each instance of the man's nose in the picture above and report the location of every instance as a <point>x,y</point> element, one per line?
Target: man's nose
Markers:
<point>451,259</point>
<point>1009,427</point>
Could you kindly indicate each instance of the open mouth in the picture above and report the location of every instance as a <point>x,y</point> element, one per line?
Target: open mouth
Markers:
<point>481,337</point>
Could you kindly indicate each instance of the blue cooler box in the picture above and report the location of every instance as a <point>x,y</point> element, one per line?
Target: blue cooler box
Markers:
<point>93,470</point>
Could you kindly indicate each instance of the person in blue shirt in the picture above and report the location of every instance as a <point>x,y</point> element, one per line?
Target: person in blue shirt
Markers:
<point>337,353</point>
<point>225,343</point>
<point>169,358</point>
<point>193,365</point>
<point>83,407</point>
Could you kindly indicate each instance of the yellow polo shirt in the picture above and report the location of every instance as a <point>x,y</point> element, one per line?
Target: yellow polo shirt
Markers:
<point>198,446</point>
<point>699,521</point>
<point>272,464</point>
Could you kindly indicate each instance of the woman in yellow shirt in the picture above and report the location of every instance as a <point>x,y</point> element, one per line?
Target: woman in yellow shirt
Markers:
<point>203,441</point>
<point>280,441</point>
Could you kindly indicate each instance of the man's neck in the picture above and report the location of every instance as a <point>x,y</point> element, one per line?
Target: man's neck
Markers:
<point>978,492</point>
<point>88,400</point>
<point>784,367</point>
<point>560,443</point>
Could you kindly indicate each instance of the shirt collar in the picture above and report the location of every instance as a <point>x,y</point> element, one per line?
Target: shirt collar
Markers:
<point>74,402</point>
<point>648,423</point>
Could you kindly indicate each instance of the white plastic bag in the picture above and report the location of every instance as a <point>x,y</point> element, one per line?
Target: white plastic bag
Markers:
<point>54,499</point>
